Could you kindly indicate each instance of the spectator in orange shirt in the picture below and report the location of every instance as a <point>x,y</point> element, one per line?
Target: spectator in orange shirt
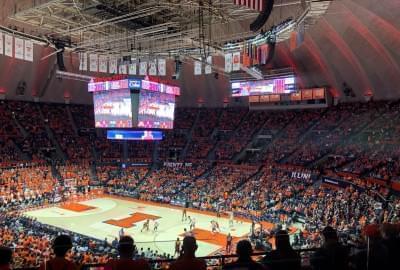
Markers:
<point>5,258</point>
<point>61,245</point>
<point>188,260</point>
<point>126,249</point>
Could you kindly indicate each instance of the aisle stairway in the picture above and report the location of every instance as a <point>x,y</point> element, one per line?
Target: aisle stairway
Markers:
<point>60,153</point>
<point>189,137</point>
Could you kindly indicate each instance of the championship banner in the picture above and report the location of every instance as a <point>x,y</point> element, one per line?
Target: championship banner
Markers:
<point>132,67</point>
<point>197,68</point>
<point>143,68</point>
<point>28,50</point>
<point>113,65</point>
<point>93,58</point>
<point>153,68</point>
<point>8,45</point>
<point>1,43</point>
<point>208,68</point>
<point>228,62</point>
<point>236,61</point>
<point>19,48</point>
<point>103,63</point>
<point>123,69</point>
<point>162,67</point>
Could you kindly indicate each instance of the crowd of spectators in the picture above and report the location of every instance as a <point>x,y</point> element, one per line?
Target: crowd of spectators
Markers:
<point>229,147</point>
<point>355,142</point>
<point>201,142</point>
<point>26,185</point>
<point>166,184</point>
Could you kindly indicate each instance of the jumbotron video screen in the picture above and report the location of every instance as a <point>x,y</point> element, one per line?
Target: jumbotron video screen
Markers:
<point>284,85</point>
<point>113,109</point>
<point>156,110</point>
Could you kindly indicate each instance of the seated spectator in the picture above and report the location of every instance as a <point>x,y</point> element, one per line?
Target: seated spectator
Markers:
<point>375,255</point>
<point>244,262</point>
<point>61,245</point>
<point>188,260</point>
<point>126,249</point>
<point>283,257</point>
<point>5,258</point>
<point>332,255</point>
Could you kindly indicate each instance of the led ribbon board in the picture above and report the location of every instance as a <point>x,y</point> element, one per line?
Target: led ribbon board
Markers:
<point>135,135</point>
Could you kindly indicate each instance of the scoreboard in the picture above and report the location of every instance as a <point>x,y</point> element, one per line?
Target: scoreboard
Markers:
<point>133,103</point>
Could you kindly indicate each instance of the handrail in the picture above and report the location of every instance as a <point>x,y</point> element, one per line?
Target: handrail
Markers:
<point>221,258</point>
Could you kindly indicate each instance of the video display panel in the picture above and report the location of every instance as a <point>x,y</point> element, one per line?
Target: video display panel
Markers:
<point>135,135</point>
<point>156,110</point>
<point>284,85</point>
<point>113,109</point>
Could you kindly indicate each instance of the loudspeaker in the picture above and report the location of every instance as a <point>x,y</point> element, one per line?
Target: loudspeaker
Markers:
<point>178,67</point>
<point>263,17</point>
<point>60,61</point>
<point>60,56</point>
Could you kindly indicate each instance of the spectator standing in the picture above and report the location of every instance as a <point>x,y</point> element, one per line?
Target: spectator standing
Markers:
<point>391,240</point>
<point>244,251</point>
<point>126,249</point>
<point>283,257</point>
<point>5,258</point>
<point>332,255</point>
<point>375,256</point>
<point>61,245</point>
<point>188,260</point>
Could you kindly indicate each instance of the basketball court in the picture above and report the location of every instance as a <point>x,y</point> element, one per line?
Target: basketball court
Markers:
<point>104,217</point>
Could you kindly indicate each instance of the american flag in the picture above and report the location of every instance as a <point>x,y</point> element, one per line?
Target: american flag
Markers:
<point>253,4</point>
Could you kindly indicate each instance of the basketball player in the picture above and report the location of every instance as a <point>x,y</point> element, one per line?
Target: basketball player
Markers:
<point>146,226</point>
<point>155,226</point>
<point>228,243</point>
<point>184,214</point>
<point>186,233</point>
<point>177,247</point>
<point>192,223</point>
<point>217,226</point>
<point>121,232</point>
<point>231,218</point>
<point>213,226</point>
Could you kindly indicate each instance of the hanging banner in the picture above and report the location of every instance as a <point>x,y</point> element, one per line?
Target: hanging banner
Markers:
<point>228,62</point>
<point>84,61</point>
<point>236,61</point>
<point>1,44</point>
<point>93,58</point>
<point>132,67</point>
<point>8,45</point>
<point>19,48</point>
<point>103,63</point>
<point>123,69</point>
<point>197,68</point>
<point>143,68</point>
<point>208,68</point>
<point>162,67</point>
<point>28,50</point>
<point>153,68</point>
<point>113,65</point>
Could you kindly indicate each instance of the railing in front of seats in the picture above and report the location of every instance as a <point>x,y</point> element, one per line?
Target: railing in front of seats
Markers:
<point>216,261</point>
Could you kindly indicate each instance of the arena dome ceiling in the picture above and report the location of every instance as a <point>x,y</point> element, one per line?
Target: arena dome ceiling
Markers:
<point>356,42</point>
<point>142,27</point>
